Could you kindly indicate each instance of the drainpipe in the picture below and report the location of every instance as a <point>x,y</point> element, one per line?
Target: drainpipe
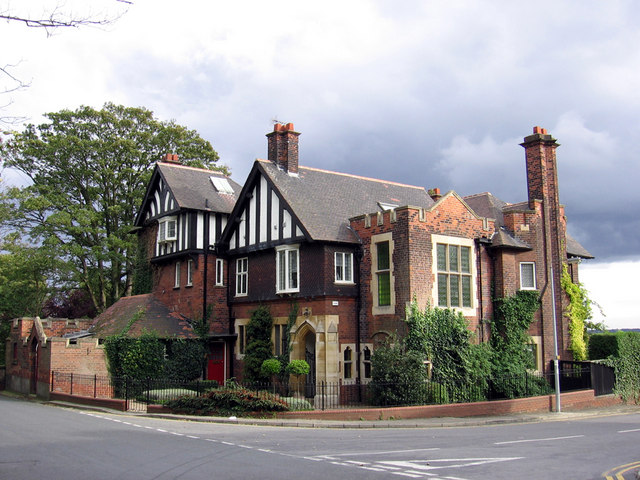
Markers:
<point>358,257</point>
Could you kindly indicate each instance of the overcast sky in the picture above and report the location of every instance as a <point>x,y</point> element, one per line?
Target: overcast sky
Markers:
<point>430,93</point>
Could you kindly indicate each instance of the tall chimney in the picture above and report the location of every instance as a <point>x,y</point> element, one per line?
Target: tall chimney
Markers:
<point>283,147</point>
<point>542,175</point>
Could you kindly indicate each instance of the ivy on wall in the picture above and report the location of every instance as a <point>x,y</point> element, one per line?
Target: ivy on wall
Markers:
<point>578,312</point>
<point>509,340</point>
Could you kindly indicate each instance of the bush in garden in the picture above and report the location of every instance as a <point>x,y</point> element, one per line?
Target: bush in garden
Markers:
<point>229,401</point>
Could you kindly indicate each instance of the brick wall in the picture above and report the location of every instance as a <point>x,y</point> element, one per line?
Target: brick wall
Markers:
<point>413,271</point>
<point>570,402</point>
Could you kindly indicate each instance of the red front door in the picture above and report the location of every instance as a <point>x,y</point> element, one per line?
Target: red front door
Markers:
<point>215,363</point>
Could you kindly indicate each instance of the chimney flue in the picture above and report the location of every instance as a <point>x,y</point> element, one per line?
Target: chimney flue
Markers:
<point>172,158</point>
<point>283,147</point>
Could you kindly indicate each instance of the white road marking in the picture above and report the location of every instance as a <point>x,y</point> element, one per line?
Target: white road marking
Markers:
<point>550,439</point>
<point>425,465</point>
<point>355,454</point>
<point>629,431</point>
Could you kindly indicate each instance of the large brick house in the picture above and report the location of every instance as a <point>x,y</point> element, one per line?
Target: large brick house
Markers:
<point>348,253</point>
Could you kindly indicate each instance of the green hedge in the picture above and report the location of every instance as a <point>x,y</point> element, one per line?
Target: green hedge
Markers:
<point>627,366</point>
<point>603,345</point>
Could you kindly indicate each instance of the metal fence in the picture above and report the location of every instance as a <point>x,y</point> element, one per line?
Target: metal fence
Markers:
<point>331,395</point>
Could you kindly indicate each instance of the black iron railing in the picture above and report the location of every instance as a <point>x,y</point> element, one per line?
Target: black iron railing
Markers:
<point>332,395</point>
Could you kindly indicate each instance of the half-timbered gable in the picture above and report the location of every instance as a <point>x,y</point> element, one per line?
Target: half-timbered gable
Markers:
<point>190,206</point>
<point>263,218</point>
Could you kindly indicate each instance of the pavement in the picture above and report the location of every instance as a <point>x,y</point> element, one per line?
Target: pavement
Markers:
<point>434,422</point>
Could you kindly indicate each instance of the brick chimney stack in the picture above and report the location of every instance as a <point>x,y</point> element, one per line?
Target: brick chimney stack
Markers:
<point>283,147</point>
<point>172,158</point>
<point>542,184</point>
<point>542,175</point>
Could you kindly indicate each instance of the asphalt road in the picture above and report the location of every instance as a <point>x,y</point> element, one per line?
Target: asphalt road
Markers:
<point>43,441</point>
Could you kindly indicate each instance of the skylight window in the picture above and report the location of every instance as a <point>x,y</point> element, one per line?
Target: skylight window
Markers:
<point>221,184</point>
<point>387,206</point>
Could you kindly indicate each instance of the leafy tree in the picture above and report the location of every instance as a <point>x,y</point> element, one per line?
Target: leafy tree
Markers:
<point>88,170</point>
<point>259,346</point>
<point>26,279</point>
<point>69,304</point>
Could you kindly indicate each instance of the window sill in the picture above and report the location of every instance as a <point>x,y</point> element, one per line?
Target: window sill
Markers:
<point>287,292</point>
<point>241,294</point>
<point>342,282</point>
<point>384,310</point>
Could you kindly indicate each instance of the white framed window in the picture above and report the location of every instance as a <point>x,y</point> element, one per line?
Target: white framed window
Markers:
<point>287,271</point>
<point>189,273</point>
<point>219,272</point>
<point>455,272</point>
<point>527,276</point>
<point>167,229</point>
<point>176,283</point>
<point>242,276</point>
<point>382,278</point>
<point>343,267</point>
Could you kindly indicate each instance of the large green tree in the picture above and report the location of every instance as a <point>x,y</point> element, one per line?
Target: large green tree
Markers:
<point>88,170</point>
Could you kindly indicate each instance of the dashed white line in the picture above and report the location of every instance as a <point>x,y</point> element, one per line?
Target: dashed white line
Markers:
<point>550,439</point>
<point>629,431</point>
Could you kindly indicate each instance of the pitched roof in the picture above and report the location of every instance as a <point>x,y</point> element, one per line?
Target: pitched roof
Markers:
<point>152,316</point>
<point>324,201</point>
<point>502,238</point>
<point>487,205</point>
<point>192,188</point>
<point>574,249</point>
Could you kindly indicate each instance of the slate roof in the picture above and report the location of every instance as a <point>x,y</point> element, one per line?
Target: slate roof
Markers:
<point>192,188</point>
<point>154,316</point>
<point>324,201</point>
<point>487,205</point>
<point>574,249</point>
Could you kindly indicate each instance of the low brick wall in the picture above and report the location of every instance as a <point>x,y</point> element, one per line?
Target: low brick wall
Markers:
<point>114,403</point>
<point>579,400</point>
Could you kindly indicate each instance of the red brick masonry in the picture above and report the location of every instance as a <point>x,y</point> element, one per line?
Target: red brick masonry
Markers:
<point>114,403</point>
<point>569,401</point>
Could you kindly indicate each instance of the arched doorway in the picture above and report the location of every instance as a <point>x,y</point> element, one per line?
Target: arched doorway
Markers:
<point>310,357</point>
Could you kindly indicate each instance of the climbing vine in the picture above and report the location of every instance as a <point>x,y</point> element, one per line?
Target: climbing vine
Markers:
<point>578,312</point>
<point>509,339</point>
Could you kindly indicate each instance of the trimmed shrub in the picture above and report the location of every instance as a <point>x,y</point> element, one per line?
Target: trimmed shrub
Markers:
<point>228,401</point>
<point>627,366</point>
<point>297,403</point>
<point>603,345</point>
<point>270,367</point>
